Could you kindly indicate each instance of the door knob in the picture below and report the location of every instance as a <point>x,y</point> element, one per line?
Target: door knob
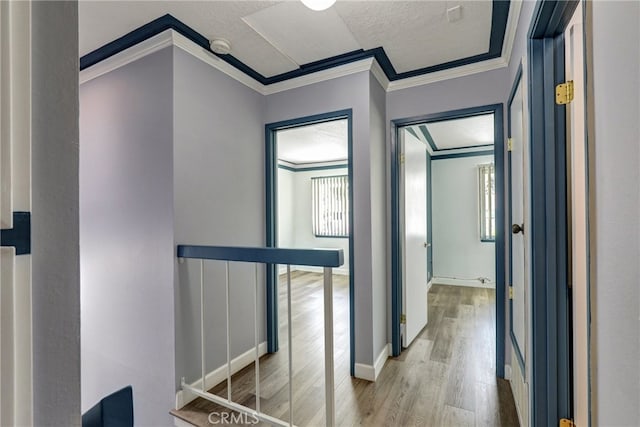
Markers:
<point>517,228</point>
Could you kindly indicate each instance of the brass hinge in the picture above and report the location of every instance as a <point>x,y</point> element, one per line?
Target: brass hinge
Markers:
<point>564,93</point>
<point>510,292</point>
<point>403,319</point>
<point>402,159</point>
<point>510,144</point>
<point>566,423</point>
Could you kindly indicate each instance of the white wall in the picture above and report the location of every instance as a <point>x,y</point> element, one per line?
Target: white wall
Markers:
<point>127,236</point>
<point>218,162</point>
<point>298,228</point>
<point>286,224</point>
<point>615,210</point>
<point>457,249</point>
<point>55,265</point>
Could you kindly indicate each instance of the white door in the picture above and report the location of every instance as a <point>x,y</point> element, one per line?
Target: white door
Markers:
<point>518,227</point>
<point>577,203</point>
<point>15,196</point>
<point>414,249</point>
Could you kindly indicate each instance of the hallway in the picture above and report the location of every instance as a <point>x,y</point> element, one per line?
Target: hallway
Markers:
<point>445,378</point>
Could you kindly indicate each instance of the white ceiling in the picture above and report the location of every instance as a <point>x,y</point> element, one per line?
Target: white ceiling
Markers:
<point>321,142</point>
<point>275,37</point>
<point>459,133</point>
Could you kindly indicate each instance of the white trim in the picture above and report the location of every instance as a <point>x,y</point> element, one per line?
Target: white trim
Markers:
<point>218,375</point>
<point>474,283</point>
<point>364,372</point>
<point>382,358</point>
<point>369,372</point>
<point>320,76</point>
<point>172,38</point>
<point>189,46</point>
<point>135,52</point>
<point>451,73</point>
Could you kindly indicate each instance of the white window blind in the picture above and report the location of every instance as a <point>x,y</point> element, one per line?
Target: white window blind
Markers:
<point>487,202</point>
<point>330,206</point>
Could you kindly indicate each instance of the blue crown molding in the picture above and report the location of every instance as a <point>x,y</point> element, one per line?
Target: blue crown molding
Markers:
<point>428,137</point>
<point>498,28</point>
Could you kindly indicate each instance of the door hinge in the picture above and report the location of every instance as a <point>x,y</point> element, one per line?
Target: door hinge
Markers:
<point>566,423</point>
<point>510,144</point>
<point>564,93</point>
<point>402,159</point>
<point>510,292</point>
<point>403,319</point>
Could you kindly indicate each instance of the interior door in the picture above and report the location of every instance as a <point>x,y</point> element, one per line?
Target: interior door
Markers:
<point>578,224</point>
<point>16,402</point>
<point>519,231</point>
<point>414,249</point>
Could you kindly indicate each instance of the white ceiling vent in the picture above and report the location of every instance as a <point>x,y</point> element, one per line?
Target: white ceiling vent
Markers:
<point>454,13</point>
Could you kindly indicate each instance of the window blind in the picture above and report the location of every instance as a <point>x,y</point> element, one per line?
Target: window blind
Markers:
<point>330,206</point>
<point>487,193</point>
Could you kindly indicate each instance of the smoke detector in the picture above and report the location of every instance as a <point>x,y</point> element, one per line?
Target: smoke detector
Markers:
<point>220,46</point>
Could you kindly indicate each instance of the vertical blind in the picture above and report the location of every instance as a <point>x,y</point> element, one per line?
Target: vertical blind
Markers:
<point>330,206</point>
<point>487,202</point>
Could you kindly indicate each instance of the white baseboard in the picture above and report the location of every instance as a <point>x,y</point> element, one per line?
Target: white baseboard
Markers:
<point>218,375</point>
<point>429,284</point>
<point>341,271</point>
<point>474,283</point>
<point>369,372</point>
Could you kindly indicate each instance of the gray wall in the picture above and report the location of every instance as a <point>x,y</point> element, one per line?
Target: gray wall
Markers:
<point>615,210</point>
<point>126,235</point>
<point>218,200</point>
<point>338,94</point>
<point>55,247</point>
<point>380,261</point>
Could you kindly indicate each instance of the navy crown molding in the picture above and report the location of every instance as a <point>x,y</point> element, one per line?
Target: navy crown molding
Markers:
<point>20,235</point>
<point>498,28</point>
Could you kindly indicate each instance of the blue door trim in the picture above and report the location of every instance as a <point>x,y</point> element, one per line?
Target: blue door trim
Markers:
<point>19,236</point>
<point>396,253</point>
<point>551,309</point>
<point>514,341</point>
<point>271,175</point>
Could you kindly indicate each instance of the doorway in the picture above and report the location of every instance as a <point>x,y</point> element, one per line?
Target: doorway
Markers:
<point>419,128</point>
<point>308,201</point>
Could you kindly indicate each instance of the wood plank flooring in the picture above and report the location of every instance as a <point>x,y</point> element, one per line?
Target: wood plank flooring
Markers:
<point>445,378</point>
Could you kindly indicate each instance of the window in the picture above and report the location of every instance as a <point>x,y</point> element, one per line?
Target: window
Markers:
<point>330,206</point>
<point>487,202</point>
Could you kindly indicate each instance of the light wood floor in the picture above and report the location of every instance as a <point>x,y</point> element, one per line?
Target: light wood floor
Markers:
<point>445,378</point>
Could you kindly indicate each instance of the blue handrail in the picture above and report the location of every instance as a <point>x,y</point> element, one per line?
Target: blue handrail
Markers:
<point>313,257</point>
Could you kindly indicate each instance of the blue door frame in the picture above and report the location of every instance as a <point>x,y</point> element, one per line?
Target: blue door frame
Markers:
<point>551,297</point>
<point>396,252</point>
<point>271,193</point>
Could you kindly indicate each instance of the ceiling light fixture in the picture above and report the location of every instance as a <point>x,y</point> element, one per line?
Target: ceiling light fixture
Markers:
<point>318,4</point>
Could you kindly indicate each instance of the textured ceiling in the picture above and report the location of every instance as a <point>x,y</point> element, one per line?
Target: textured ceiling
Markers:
<point>276,37</point>
<point>321,142</point>
<point>458,133</point>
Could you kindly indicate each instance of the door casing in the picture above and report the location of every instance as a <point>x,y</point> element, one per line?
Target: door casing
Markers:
<point>396,253</point>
